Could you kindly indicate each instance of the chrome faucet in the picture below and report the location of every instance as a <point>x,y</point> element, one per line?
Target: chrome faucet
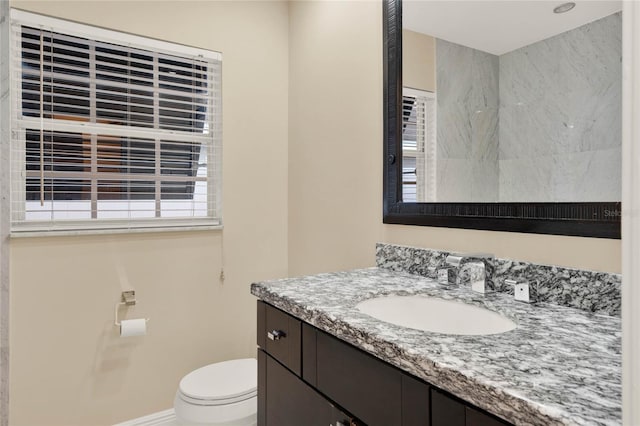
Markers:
<point>477,269</point>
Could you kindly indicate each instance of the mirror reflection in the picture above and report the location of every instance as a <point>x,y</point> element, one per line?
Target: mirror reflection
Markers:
<point>511,102</point>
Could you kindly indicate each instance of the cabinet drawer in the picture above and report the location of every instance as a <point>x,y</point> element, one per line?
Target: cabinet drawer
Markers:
<point>279,334</point>
<point>370,389</point>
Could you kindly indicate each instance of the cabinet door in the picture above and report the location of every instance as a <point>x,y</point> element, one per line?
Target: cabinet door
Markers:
<point>478,418</point>
<point>446,411</point>
<point>370,389</point>
<point>288,401</point>
<point>415,402</point>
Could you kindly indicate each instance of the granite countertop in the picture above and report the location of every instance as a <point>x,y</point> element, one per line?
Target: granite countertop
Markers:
<point>560,366</point>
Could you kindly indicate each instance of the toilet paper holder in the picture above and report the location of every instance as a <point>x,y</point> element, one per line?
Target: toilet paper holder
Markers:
<point>128,299</point>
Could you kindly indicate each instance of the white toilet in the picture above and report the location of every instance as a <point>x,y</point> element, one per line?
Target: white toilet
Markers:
<point>224,393</point>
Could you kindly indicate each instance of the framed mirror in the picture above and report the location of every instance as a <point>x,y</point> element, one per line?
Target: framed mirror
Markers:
<point>501,121</point>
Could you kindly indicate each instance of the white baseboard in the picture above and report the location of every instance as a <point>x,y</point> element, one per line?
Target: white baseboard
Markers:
<point>161,418</point>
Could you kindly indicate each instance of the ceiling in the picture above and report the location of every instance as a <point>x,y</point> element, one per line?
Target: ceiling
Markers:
<point>499,26</point>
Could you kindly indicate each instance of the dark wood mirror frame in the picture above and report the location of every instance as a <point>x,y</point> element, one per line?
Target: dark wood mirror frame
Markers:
<point>592,219</point>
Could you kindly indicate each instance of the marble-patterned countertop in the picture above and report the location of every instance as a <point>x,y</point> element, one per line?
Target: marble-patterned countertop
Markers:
<point>560,366</point>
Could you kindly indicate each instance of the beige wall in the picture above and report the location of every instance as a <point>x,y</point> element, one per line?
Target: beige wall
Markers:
<point>335,156</point>
<point>335,134</point>
<point>68,365</point>
<point>418,61</point>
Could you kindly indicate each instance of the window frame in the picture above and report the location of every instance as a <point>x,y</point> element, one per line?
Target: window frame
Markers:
<point>212,137</point>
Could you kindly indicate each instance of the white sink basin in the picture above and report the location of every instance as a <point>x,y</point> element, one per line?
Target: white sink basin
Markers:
<point>436,315</point>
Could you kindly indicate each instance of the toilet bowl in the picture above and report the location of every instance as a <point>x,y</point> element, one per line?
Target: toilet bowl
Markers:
<point>221,394</point>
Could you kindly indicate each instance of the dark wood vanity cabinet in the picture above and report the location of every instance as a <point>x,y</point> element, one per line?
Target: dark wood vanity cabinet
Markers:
<point>308,377</point>
<point>284,399</point>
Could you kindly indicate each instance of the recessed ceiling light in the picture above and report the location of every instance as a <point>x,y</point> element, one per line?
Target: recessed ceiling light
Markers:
<point>564,7</point>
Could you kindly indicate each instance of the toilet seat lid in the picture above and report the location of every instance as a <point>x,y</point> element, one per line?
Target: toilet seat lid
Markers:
<point>222,380</point>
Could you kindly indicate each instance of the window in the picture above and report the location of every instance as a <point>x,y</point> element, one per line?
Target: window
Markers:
<point>111,130</point>
<point>418,146</point>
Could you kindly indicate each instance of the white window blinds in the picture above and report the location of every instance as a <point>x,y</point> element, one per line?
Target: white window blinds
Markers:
<point>111,130</point>
<point>412,147</point>
<point>418,146</point>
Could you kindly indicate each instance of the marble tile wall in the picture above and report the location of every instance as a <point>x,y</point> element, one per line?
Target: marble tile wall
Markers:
<point>466,123</point>
<point>597,292</point>
<point>541,123</point>
<point>560,116</point>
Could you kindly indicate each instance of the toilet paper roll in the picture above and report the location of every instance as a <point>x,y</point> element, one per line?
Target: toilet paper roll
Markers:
<point>133,327</point>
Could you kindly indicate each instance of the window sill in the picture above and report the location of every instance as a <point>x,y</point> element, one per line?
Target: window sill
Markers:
<point>145,230</point>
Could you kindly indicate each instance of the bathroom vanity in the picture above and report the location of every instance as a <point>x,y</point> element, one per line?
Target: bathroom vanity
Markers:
<point>322,361</point>
<point>305,375</point>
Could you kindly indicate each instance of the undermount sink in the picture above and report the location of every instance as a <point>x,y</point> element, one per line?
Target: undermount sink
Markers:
<point>436,315</point>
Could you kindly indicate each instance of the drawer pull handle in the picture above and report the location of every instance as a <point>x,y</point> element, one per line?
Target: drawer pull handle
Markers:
<point>276,334</point>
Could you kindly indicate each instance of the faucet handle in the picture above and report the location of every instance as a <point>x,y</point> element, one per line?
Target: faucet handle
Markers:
<point>523,291</point>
